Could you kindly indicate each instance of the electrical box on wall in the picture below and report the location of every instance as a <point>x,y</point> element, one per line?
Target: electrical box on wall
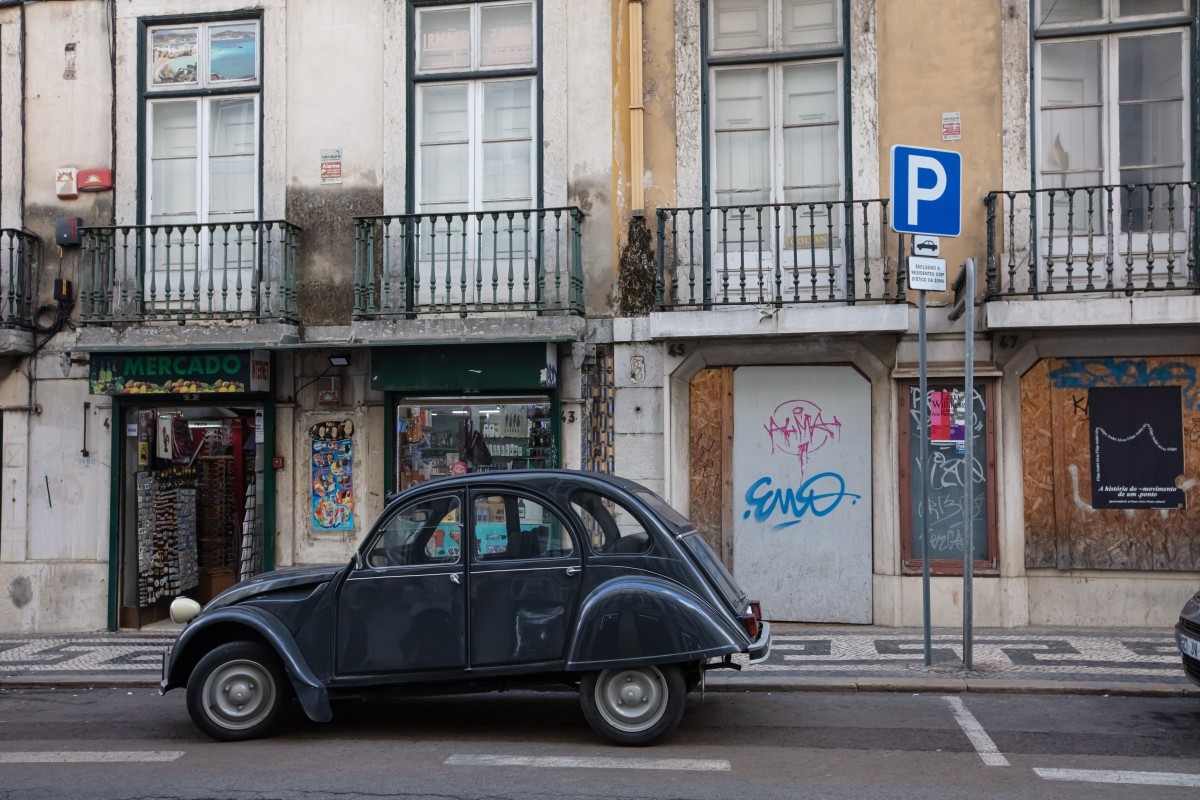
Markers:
<point>66,231</point>
<point>66,183</point>
<point>95,180</point>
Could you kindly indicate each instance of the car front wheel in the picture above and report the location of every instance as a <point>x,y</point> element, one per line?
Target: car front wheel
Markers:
<point>633,705</point>
<point>238,691</point>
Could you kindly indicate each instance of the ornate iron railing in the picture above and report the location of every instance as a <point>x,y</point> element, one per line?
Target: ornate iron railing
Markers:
<point>1125,239</point>
<point>820,252</point>
<point>19,254</point>
<point>218,271</point>
<point>469,262</point>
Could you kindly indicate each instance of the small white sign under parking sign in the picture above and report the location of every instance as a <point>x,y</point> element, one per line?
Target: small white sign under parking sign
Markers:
<point>927,274</point>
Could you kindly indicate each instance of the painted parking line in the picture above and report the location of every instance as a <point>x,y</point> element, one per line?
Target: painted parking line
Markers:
<point>982,743</point>
<point>89,757</point>
<point>590,762</point>
<point>1119,776</point>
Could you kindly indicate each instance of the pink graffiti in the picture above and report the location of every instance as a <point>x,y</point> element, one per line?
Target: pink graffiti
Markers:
<point>798,427</point>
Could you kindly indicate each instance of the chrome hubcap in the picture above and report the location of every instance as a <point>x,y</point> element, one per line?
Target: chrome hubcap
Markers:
<point>632,700</point>
<point>239,694</point>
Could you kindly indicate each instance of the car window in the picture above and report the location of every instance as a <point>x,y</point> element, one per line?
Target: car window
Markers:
<point>611,527</point>
<point>508,526</point>
<point>427,532</point>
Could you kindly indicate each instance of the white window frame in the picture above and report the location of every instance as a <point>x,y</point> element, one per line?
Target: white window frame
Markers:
<point>775,42</point>
<point>476,34</point>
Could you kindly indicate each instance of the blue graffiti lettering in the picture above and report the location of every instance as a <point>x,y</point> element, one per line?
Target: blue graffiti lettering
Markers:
<point>764,501</point>
<point>1084,373</point>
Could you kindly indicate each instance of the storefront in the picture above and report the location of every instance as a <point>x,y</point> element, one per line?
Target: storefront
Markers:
<point>191,495</point>
<point>468,408</point>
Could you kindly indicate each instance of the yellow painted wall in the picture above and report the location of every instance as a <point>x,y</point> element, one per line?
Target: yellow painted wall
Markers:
<point>937,56</point>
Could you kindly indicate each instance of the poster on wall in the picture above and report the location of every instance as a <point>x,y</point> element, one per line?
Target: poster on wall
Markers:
<point>802,491</point>
<point>332,475</point>
<point>1136,443</point>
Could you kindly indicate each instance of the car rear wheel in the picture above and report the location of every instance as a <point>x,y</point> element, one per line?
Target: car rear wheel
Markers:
<point>633,705</point>
<point>238,691</point>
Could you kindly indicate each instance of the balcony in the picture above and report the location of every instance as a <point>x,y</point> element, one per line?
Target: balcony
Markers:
<point>218,272</point>
<point>465,263</point>
<point>1125,254</point>
<point>19,254</point>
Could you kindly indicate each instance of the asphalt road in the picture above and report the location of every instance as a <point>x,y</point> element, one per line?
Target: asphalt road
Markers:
<point>83,744</point>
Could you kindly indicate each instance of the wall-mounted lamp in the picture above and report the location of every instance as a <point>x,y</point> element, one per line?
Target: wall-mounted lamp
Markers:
<point>340,360</point>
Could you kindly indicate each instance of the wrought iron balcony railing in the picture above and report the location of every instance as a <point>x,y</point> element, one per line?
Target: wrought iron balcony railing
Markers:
<point>469,262</point>
<point>820,252</point>
<point>230,271</point>
<point>1126,239</point>
<point>19,253</point>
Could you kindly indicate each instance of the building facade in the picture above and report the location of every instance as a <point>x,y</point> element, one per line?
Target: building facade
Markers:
<point>265,262</point>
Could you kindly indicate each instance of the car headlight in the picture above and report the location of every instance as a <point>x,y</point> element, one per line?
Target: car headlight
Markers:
<point>184,609</point>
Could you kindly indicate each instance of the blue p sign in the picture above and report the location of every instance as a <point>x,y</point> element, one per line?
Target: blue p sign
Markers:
<point>926,191</point>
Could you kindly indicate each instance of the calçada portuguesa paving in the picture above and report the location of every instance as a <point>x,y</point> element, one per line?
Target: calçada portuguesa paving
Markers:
<point>1140,661</point>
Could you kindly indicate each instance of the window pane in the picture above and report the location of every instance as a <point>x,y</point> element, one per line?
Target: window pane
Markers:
<point>231,188</point>
<point>1131,8</point>
<point>1152,133</point>
<point>811,159</point>
<point>810,94</point>
<point>511,527</point>
<point>233,52</point>
<point>506,37</point>
<point>611,528</point>
<point>1072,119</point>
<point>173,191</point>
<point>1071,140</point>
<point>444,173</point>
<point>742,136</point>
<point>1070,73</point>
<point>1151,67</point>
<point>232,128</point>
<point>445,39</point>
<point>444,113</point>
<point>506,171</point>
<point>174,129</point>
<point>427,533</point>
<point>506,109</point>
<point>739,24</point>
<point>173,56</point>
<point>809,22</point>
<point>1051,11</point>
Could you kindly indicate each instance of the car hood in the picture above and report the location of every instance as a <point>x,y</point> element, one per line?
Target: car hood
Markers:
<point>273,582</point>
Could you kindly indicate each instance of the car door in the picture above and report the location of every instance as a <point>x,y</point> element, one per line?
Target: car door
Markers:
<point>525,573</point>
<point>403,608</point>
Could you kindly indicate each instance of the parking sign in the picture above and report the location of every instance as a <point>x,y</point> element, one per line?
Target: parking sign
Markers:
<point>926,191</point>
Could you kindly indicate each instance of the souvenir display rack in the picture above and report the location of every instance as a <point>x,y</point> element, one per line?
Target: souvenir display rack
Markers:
<point>167,543</point>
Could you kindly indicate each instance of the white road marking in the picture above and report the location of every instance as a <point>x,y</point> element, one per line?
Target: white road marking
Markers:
<point>1118,776</point>
<point>970,726</point>
<point>590,762</point>
<point>89,757</point>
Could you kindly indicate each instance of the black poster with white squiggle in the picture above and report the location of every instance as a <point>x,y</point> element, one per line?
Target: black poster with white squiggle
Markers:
<point>1137,446</point>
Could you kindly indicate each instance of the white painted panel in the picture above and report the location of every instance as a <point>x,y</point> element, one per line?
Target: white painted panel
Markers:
<point>802,491</point>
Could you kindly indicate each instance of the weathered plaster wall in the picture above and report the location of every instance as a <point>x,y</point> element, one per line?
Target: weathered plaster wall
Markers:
<point>11,141</point>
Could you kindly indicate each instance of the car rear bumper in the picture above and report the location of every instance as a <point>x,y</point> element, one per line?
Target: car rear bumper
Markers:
<point>1185,639</point>
<point>760,648</point>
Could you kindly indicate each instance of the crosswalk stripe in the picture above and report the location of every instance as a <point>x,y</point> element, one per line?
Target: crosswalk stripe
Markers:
<point>590,762</point>
<point>1119,776</point>
<point>982,743</point>
<point>88,756</point>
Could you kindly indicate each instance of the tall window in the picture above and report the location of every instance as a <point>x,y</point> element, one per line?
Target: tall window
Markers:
<point>1113,105</point>
<point>202,141</point>
<point>475,129</point>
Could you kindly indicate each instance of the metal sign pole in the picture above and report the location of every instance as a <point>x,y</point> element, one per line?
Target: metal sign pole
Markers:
<point>969,462</point>
<point>923,461</point>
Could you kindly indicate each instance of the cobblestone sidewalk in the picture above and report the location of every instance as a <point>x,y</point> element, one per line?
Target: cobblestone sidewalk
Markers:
<point>1125,661</point>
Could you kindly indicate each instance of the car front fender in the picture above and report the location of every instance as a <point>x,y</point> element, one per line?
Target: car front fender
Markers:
<point>630,621</point>
<point>224,625</point>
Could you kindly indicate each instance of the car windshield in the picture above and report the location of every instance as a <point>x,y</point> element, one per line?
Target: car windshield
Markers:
<point>712,565</point>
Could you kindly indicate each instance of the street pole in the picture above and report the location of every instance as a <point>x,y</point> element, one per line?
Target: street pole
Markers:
<point>923,461</point>
<point>969,462</point>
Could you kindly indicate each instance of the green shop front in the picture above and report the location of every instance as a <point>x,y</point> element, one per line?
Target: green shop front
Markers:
<point>192,495</point>
<point>455,409</point>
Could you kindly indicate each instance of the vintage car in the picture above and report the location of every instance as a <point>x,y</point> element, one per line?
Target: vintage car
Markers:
<point>1187,636</point>
<point>478,582</point>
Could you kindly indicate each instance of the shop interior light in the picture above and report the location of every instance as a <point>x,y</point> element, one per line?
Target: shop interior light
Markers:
<point>339,360</point>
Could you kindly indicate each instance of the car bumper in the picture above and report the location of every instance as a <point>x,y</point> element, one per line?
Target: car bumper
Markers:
<point>760,648</point>
<point>164,683</point>
<point>1189,649</point>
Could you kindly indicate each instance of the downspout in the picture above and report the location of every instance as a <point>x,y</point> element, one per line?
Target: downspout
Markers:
<point>112,57</point>
<point>637,150</point>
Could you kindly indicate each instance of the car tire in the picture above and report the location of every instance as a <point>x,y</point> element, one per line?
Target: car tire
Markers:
<point>238,691</point>
<point>633,705</point>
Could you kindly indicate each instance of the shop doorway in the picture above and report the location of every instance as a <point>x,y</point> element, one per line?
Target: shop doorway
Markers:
<point>441,436</point>
<point>190,505</point>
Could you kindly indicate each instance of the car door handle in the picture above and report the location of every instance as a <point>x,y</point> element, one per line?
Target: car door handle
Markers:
<point>454,577</point>
<point>572,570</point>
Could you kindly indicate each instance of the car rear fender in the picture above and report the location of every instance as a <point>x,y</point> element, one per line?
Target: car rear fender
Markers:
<point>240,622</point>
<point>649,620</point>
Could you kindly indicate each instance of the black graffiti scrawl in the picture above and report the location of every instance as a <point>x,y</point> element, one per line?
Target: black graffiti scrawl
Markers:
<point>1137,446</point>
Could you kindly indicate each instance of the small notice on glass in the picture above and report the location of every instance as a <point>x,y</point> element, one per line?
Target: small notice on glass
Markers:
<point>951,126</point>
<point>331,166</point>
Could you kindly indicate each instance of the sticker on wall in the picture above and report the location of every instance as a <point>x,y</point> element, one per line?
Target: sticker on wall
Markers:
<point>332,475</point>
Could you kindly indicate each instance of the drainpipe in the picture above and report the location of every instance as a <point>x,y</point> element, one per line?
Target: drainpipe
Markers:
<point>637,154</point>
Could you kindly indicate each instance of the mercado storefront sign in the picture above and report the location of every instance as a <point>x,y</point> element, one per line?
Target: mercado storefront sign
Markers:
<point>180,372</point>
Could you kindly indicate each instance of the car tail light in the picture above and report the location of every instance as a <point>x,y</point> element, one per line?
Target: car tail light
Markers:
<point>751,618</point>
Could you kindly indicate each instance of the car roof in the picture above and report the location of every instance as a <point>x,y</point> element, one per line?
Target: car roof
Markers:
<point>518,477</point>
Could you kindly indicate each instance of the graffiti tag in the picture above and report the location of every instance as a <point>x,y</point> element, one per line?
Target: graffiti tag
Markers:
<point>1085,373</point>
<point>819,495</point>
<point>798,427</point>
